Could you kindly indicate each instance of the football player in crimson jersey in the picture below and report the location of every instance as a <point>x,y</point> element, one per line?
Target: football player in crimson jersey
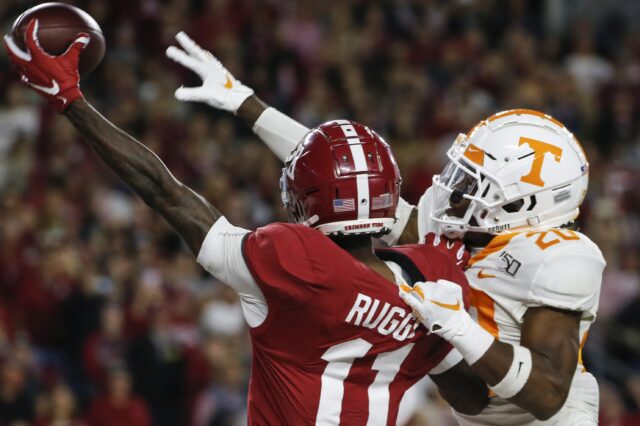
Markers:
<point>333,342</point>
<point>511,186</point>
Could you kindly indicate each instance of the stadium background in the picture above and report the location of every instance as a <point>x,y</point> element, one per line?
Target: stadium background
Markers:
<point>99,300</point>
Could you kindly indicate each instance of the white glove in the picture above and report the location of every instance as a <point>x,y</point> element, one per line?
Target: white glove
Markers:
<point>219,88</point>
<point>439,306</point>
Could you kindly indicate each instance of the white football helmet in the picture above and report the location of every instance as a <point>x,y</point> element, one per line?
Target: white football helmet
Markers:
<point>518,168</point>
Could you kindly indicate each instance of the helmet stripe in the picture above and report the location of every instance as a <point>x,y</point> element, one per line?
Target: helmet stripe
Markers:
<point>362,180</point>
<point>360,163</point>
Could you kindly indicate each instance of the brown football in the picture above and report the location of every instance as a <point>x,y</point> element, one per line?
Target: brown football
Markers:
<point>58,26</point>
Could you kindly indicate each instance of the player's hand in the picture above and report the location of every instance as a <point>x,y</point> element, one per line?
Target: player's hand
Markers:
<point>439,306</point>
<point>454,249</point>
<point>219,88</point>
<point>56,78</point>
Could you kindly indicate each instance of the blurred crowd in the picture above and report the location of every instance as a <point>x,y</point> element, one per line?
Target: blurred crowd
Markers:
<point>106,319</point>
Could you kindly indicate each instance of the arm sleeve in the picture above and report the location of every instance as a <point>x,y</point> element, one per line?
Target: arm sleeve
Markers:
<point>221,255</point>
<point>569,280</point>
<point>403,213</point>
<point>279,132</point>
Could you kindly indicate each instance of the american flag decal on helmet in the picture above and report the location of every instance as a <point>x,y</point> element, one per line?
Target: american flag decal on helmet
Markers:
<point>344,205</point>
<point>382,202</point>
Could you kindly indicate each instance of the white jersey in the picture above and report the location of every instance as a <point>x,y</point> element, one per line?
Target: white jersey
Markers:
<point>516,271</point>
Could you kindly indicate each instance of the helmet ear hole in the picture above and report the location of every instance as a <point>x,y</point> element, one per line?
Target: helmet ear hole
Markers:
<point>514,206</point>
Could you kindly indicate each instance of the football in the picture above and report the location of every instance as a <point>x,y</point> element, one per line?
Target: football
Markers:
<point>58,26</point>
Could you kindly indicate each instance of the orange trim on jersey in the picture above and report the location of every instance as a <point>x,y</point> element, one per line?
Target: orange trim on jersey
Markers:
<point>525,111</point>
<point>486,310</point>
<point>494,246</point>
<point>582,342</point>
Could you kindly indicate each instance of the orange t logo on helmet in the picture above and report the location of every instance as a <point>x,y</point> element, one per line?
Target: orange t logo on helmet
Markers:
<point>540,149</point>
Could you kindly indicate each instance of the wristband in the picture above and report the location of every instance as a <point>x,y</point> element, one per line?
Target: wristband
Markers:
<point>473,342</point>
<point>518,374</point>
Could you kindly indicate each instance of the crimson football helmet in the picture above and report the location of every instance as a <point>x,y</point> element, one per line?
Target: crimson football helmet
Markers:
<point>342,179</point>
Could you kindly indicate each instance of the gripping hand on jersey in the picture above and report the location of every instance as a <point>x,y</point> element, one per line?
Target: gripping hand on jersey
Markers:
<point>56,78</point>
<point>219,88</point>
<point>439,306</point>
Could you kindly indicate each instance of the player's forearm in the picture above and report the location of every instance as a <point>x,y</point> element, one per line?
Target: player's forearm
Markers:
<point>535,375</point>
<point>134,163</point>
<point>278,131</point>
<point>145,173</point>
<point>465,391</point>
<point>545,390</point>
<point>251,109</point>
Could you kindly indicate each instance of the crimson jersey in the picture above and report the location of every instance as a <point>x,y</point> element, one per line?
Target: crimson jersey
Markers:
<point>338,345</point>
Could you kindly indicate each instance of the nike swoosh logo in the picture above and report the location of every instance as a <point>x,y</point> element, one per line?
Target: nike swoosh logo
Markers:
<point>453,307</point>
<point>53,90</point>
<point>405,288</point>
<point>482,275</point>
<point>228,84</point>
<point>519,367</point>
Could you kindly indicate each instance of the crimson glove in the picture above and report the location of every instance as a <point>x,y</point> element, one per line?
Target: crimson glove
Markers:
<point>454,249</point>
<point>56,78</point>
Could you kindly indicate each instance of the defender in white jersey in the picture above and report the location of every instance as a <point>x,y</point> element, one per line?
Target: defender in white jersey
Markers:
<point>516,271</point>
<point>512,188</point>
<point>512,185</point>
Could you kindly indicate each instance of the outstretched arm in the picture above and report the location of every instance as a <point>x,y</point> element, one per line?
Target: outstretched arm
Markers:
<point>278,131</point>
<point>187,212</point>
<point>56,78</point>
<point>221,90</point>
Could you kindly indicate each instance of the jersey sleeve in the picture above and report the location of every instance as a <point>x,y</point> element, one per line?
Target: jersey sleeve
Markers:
<point>287,261</point>
<point>221,255</point>
<point>569,279</point>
